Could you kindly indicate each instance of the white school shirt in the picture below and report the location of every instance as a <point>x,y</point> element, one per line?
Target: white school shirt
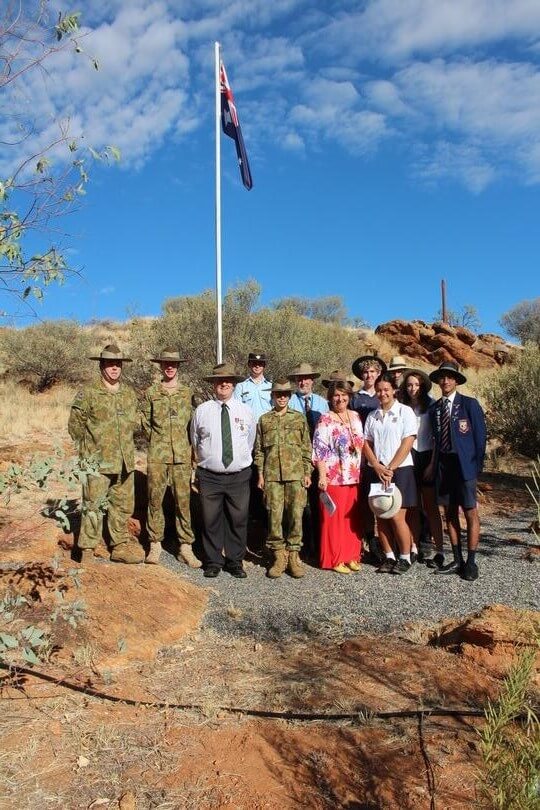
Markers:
<point>424,435</point>
<point>387,430</point>
<point>206,435</point>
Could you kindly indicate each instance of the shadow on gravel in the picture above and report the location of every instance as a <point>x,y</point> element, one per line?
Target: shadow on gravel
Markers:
<point>495,545</point>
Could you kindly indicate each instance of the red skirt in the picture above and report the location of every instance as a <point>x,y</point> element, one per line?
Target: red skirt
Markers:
<point>341,532</point>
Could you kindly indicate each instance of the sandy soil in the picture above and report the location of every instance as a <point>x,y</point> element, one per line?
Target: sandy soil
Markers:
<point>132,707</point>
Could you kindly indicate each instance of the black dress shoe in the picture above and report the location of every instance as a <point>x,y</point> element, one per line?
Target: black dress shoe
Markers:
<point>401,567</point>
<point>387,566</point>
<point>212,571</point>
<point>235,570</point>
<point>450,568</point>
<point>414,557</point>
<point>470,572</point>
<point>435,562</point>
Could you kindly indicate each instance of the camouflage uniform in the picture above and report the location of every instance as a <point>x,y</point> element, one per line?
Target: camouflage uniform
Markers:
<point>283,453</point>
<point>165,420</point>
<point>102,423</point>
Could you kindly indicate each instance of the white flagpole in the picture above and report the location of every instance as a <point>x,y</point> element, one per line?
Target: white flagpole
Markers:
<point>219,349</point>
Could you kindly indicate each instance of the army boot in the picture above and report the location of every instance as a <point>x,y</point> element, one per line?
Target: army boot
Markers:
<point>186,555</point>
<point>87,556</point>
<point>129,552</point>
<point>279,566</point>
<point>295,567</point>
<point>152,558</point>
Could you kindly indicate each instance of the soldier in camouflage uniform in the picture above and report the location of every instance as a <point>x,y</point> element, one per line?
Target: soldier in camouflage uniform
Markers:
<point>166,415</point>
<point>282,456</point>
<point>102,420</point>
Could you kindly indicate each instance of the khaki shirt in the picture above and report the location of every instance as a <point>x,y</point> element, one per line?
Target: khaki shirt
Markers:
<point>165,420</point>
<point>282,447</point>
<point>102,422</point>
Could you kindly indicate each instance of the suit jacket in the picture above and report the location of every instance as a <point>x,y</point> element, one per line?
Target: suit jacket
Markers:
<point>468,431</point>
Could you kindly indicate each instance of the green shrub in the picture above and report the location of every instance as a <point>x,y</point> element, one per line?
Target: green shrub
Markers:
<point>189,323</point>
<point>48,353</point>
<point>513,404</point>
<point>510,747</point>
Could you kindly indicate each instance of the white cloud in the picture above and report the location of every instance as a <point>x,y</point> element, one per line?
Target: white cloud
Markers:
<point>397,29</point>
<point>491,106</point>
<point>459,162</point>
<point>356,78</point>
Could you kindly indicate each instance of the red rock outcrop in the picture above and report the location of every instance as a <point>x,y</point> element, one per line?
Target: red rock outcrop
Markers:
<point>438,343</point>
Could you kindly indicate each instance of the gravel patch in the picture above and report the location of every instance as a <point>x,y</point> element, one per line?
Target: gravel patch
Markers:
<point>330,604</point>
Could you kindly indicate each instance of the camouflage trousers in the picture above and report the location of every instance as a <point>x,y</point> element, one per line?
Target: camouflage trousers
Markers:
<point>285,502</point>
<point>106,494</point>
<point>178,478</point>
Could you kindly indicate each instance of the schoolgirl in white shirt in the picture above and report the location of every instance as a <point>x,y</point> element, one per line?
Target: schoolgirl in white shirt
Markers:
<point>390,432</point>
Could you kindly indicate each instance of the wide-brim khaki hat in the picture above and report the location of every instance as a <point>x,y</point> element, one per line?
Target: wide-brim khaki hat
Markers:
<point>303,370</point>
<point>168,356</point>
<point>224,371</point>
<point>281,386</point>
<point>415,372</point>
<point>111,352</point>
<point>385,506</point>
<point>448,368</point>
<point>366,358</point>
<point>398,363</point>
<point>339,375</point>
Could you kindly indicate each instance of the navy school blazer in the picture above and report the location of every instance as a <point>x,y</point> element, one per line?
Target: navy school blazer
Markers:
<point>468,430</point>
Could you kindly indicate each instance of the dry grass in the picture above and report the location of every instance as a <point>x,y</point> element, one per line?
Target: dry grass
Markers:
<point>24,415</point>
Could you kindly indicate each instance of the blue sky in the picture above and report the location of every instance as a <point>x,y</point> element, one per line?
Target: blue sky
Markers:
<point>392,143</point>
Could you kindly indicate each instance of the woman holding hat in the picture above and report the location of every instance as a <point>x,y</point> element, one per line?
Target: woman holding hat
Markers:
<point>166,414</point>
<point>415,390</point>
<point>390,432</point>
<point>337,454</point>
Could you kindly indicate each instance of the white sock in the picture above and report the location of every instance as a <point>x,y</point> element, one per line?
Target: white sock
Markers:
<point>390,555</point>
<point>405,557</point>
<point>414,548</point>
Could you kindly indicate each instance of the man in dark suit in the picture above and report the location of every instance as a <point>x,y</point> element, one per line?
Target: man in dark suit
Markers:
<point>459,430</point>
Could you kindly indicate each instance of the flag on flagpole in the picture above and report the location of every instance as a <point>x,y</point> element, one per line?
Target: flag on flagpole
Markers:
<point>231,126</point>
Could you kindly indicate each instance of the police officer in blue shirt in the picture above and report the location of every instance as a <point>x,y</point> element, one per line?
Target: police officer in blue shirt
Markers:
<point>255,391</point>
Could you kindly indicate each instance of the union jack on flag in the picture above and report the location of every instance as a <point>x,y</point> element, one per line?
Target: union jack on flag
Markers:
<point>231,126</point>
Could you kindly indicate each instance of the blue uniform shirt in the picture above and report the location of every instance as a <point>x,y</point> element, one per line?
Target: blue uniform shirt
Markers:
<point>364,403</point>
<point>319,405</point>
<point>255,395</point>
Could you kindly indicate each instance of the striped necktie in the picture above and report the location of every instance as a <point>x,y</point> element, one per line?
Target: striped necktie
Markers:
<point>307,404</point>
<point>226,438</point>
<point>446,442</point>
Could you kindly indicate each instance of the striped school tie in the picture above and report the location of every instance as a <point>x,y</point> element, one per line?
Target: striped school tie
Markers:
<point>446,442</point>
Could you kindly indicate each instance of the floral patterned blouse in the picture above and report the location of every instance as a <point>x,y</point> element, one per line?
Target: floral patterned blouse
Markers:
<point>340,447</point>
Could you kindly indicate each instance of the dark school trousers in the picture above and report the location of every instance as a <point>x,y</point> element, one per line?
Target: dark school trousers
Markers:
<point>224,501</point>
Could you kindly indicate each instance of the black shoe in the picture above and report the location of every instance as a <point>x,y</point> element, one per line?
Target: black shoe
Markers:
<point>414,557</point>
<point>436,562</point>
<point>235,570</point>
<point>401,567</point>
<point>375,550</point>
<point>453,567</point>
<point>470,571</point>
<point>387,567</point>
<point>211,571</point>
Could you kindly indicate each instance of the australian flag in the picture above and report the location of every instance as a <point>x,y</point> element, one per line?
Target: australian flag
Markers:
<point>231,126</point>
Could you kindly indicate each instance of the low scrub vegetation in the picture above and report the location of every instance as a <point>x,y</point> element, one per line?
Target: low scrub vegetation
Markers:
<point>47,353</point>
<point>513,405</point>
<point>286,336</point>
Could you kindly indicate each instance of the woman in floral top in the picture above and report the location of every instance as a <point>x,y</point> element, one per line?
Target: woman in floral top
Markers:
<point>337,453</point>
